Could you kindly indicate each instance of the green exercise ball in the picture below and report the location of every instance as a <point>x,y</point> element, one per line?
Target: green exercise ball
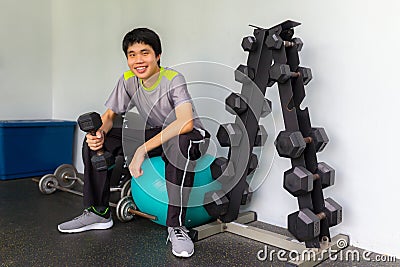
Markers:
<point>149,191</point>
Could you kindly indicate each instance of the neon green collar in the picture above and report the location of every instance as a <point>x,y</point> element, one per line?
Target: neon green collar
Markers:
<point>160,74</point>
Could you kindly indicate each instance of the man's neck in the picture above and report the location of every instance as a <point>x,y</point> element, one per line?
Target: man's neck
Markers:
<point>152,79</point>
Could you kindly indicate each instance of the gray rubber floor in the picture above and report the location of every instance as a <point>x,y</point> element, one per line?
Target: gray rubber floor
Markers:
<point>29,237</point>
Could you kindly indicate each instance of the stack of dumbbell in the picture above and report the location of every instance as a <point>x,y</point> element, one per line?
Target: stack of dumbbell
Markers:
<point>273,58</point>
<point>243,135</point>
<point>300,142</point>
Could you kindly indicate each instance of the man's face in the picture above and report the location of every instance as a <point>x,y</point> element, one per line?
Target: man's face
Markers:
<point>142,60</point>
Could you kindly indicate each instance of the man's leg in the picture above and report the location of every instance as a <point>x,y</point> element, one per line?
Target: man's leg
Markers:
<point>179,155</point>
<point>96,190</point>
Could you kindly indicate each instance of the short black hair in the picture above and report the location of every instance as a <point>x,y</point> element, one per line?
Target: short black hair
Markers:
<point>145,36</point>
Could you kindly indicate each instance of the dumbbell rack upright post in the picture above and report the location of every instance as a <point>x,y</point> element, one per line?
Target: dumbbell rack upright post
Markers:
<point>291,95</point>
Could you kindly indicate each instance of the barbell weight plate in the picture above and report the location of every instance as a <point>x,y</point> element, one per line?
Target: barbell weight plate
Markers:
<point>46,182</point>
<point>126,189</point>
<point>118,208</point>
<point>122,208</point>
<point>64,173</point>
<point>126,216</point>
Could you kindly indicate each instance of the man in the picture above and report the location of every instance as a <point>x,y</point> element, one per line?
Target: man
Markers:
<point>172,131</point>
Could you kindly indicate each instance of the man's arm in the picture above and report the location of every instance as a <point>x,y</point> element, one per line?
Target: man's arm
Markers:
<point>96,142</point>
<point>108,120</point>
<point>182,124</point>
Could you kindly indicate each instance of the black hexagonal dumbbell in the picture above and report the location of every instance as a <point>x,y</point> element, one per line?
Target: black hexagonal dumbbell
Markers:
<point>229,134</point>
<point>299,181</point>
<point>253,164</point>
<point>222,169</point>
<point>305,73</point>
<point>319,138</point>
<point>261,136</point>
<point>292,144</point>
<point>247,195</point>
<point>235,104</point>
<point>216,203</point>
<point>90,122</point>
<point>249,44</point>
<point>333,212</point>
<point>305,224</point>
<point>244,74</point>
<point>281,73</point>
<point>274,41</point>
<point>266,108</point>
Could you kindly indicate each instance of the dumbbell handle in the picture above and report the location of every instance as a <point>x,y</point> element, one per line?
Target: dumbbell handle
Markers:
<point>308,139</point>
<point>289,44</point>
<point>316,176</point>
<point>295,74</point>
<point>100,151</point>
<point>321,215</point>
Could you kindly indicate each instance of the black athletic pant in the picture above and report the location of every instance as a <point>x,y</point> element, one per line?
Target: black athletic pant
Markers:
<point>178,153</point>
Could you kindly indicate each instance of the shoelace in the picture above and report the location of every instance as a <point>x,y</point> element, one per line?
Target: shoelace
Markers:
<point>180,233</point>
<point>85,213</point>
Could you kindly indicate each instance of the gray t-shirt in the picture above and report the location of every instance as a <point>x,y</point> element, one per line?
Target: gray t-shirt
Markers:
<point>156,104</point>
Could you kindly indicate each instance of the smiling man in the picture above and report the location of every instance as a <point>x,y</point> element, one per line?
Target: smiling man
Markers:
<point>172,130</point>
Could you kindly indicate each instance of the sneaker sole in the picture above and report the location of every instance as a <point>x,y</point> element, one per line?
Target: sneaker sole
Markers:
<point>183,254</point>
<point>95,226</point>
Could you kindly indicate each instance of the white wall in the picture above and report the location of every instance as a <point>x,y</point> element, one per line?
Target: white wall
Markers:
<point>350,46</point>
<point>25,60</point>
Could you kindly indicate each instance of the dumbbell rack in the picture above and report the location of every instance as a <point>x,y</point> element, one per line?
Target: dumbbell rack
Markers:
<point>260,60</point>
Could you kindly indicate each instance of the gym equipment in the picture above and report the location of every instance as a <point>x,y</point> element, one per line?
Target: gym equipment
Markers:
<point>222,167</point>
<point>244,74</point>
<point>126,210</point>
<point>275,42</point>
<point>305,224</point>
<point>284,64</point>
<point>48,184</point>
<point>299,181</point>
<point>247,195</point>
<point>261,136</point>
<point>150,196</point>
<point>281,73</point>
<point>90,122</point>
<point>240,227</point>
<point>274,57</point>
<point>216,203</point>
<point>253,164</point>
<point>235,104</point>
<point>266,108</point>
<point>65,178</point>
<point>249,44</point>
<point>229,134</point>
<point>292,144</point>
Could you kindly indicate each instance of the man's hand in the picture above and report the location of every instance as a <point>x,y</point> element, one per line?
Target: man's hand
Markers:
<point>95,142</point>
<point>135,167</point>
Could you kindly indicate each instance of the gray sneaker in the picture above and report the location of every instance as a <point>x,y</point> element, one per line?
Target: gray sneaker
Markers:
<point>182,245</point>
<point>87,221</point>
